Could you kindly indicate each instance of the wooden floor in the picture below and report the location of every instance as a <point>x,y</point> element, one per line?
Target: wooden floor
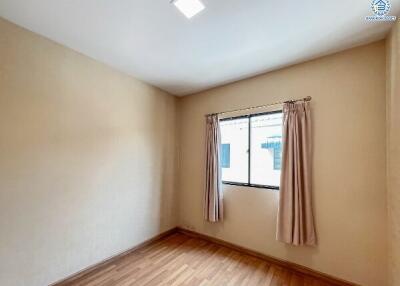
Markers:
<point>183,260</point>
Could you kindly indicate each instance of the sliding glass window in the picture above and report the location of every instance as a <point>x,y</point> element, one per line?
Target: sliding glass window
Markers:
<point>251,150</point>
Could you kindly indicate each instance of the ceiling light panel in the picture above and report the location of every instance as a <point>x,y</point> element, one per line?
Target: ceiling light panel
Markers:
<point>189,7</point>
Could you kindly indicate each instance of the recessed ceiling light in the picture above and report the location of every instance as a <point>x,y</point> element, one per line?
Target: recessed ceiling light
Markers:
<point>189,7</point>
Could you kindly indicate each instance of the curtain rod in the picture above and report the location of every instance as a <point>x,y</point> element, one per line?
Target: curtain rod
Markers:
<point>308,98</point>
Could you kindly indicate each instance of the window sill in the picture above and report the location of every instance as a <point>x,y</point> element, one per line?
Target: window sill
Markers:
<point>275,188</point>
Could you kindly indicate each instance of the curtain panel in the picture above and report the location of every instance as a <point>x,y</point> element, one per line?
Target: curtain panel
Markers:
<point>295,224</point>
<point>213,208</point>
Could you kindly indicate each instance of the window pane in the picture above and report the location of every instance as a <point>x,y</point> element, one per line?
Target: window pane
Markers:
<point>266,149</point>
<point>234,150</point>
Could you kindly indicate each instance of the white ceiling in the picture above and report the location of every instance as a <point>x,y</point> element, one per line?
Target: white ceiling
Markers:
<point>228,41</point>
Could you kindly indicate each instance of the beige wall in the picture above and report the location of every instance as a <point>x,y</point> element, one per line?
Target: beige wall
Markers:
<point>348,91</point>
<point>86,160</point>
<point>393,152</point>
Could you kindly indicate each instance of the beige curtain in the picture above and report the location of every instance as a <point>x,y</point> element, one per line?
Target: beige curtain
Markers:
<point>295,215</point>
<point>213,210</point>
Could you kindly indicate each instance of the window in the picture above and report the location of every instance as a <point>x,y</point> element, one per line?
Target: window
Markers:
<point>226,155</point>
<point>251,150</point>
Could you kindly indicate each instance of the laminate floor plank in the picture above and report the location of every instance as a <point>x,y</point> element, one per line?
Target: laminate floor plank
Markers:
<point>182,260</point>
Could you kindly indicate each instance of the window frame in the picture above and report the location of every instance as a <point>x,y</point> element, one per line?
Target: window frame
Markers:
<point>248,184</point>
